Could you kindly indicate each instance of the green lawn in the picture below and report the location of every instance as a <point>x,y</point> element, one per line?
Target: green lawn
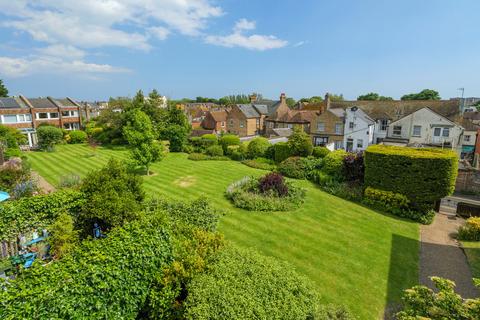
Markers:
<point>353,255</point>
<point>472,250</point>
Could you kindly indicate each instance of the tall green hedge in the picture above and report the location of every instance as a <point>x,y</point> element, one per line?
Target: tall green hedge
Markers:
<point>101,279</point>
<point>423,175</point>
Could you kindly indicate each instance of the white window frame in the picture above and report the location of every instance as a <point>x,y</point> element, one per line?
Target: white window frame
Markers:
<point>338,128</point>
<point>70,113</point>
<point>417,128</point>
<point>71,126</point>
<point>222,124</point>
<point>19,118</point>
<point>466,138</point>
<point>397,130</point>
<point>321,126</point>
<point>447,131</point>
<point>383,125</point>
<point>49,116</point>
<point>242,124</point>
<point>360,143</point>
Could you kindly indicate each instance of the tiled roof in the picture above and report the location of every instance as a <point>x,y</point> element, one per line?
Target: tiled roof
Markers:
<point>248,110</point>
<point>397,109</point>
<point>261,108</point>
<point>12,103</point>
<point>297,116</point>
<point>41,103</point>
<point>472,115</point>
<point>468,125</point>
<point>219,116</point>
<point>65,102</point>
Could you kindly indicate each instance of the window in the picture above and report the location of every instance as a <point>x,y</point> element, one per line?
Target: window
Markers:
<point>290,125</point>
<point>71,126</point>
<point>222,124</point>
<point>437,132</point>
<point>338,128</point>
<point>231,122</point>
<point>446,132</point>
<point>417,131</point>
<point>24,117</point>
<point>270,124</point>
<point>359,143</point>
<point>10,118</point>
<point>258,123</point>
<point>242,124</point>
<point>383,125</point>
<point>466,138</point>
<point>70,113</point>
<point>320,141</point>
<point>338,145</point>
<point>351,125</point>
<point>397,130</point>
<point>53,115</point>
<point>42,115</point>
<point>321,126</point>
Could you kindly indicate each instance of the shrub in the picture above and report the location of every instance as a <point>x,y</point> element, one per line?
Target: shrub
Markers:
<point>24,189</point>
<point>12,138</point>
<point>210,137</point>
<point>320,152</point>
<point>241,284</point>
<point>423,175</point>
<point>113,196</point>
<point>246,194</point>
<point>333,164</point>
<point>257,147</point>
<point>397,204</point>
<point>273,182</point>
<point>15,171</point>
<point>228,140</point>
<point>38,212</point>
<point>421,302</point>
<point>300,143</point>
<point>215,151</point>
<point>299,168</point>
<point>282,151</point>
<point>48,137</point>
<point>237,156</point>
<point>176,134</point>
<point>354,167</point>
<point>188,148</point>
<point>270,152</point>
<point>260,163</point>
<point>107,278</point>
<point>78,136</point>
<point>63,238</point>
<point>471,230</point>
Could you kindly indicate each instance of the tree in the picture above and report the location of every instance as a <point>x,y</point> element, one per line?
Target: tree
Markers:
<point>314,99</point>
<point>112,196</point>
<point>291,102</point>
<point>300,143</point>
<point>3,90</point>
<point>48,137</point>
<point>63,237</point>
<point>140,136</point>
<point>372,96</point>
<point>426,94</point>
<point>257,147</point>
<point>336,97</point>
<point>175,128</point>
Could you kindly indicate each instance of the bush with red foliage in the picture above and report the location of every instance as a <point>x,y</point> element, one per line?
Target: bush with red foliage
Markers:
<point>354,167</point>
<point>273,182</point>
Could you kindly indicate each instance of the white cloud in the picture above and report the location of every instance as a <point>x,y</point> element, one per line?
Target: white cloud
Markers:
<point>299,44</point>
<point>63,51</point>
<point>160,33</point>
<point>20,67</point>
<point>252,42</point>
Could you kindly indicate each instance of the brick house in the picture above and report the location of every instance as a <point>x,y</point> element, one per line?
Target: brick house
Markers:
<point>246,120</point>
<point>27,114</point>
<point>216,120</point>
<point>327,128</point>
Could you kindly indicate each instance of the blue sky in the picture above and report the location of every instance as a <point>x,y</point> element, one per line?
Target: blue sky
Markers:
<point>94,49</point>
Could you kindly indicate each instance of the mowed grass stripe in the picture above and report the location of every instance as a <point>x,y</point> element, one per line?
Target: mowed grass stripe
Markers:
<point>345,249</point>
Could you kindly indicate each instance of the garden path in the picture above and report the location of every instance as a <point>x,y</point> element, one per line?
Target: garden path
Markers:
<point>43,184</point>
<point>441,255</point>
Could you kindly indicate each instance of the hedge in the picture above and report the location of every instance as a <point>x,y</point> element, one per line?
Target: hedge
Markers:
<point>333,164</point>
<point>320,152</point>
<point>282,151</point>
<point>36,212</point>
<point>228,140</point>
<point>77,136</point>
<point>257,147</point>
<point>101,279</point>
<point>423,175</point>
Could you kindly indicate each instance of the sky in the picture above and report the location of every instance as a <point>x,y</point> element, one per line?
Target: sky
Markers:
<point>95,49</point>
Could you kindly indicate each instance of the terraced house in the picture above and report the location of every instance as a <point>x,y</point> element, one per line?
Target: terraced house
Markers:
<point>27,114</point>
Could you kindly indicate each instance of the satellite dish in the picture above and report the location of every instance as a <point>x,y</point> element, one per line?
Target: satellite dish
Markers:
<point>354,109</point>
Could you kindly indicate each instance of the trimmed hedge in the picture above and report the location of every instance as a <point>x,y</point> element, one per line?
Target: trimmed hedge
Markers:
<point>228,140</point>
<point>257,147</point>
<point>77,136</point>
<point>423,175</point>
<point>282,151</point>
<point>333,164</point>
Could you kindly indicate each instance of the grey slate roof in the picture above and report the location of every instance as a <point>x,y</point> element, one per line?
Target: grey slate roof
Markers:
<point>12,103</point>
<point>41,103</point>
<point>261,108</point>
<point>65,102</point>
<point>248,110</point>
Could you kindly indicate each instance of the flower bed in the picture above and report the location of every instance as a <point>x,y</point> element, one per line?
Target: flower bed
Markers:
<point>269,193</point>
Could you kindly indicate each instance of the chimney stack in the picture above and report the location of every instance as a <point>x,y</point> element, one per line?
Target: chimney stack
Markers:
<point>253,98</point>
<point>283,98</point>
<point>327,101</point>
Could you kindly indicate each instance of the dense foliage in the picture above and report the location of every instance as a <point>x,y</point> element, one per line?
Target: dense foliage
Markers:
<point>77,136</point>
<point>15,177</point>
<point>372,96</point>
<point>3,89</point>
<point>354,167</point>
<point>421,302</point>
<point>282,151</point>
<point>112,195</point>
<point>423,175</point>
<point>103,279</point>
<point>10,139</point>
<point>257,147</point>
<point>471,230</point>
<point>426,94</point>
<point>260,163</point>
<point>48,137</point>
<point>241,284</point>
<point>229,140</point>
<point>299,168</point>
<point>214,151</point>
<point>63,238</point>
<point>300,143</point>
<point>252,194</point>
<point>38,212</point>
<point>320,152</point>
<point>334,164</point>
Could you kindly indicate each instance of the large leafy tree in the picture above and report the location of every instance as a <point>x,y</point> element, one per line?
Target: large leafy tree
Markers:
<point>175,128</point>
<point>337,97</point>
<point>314,99</point>
<point>140,136</point>
<point>3,89</point>
<point>300,143</point>
<point>426,94</point>
<point>373,96</point>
